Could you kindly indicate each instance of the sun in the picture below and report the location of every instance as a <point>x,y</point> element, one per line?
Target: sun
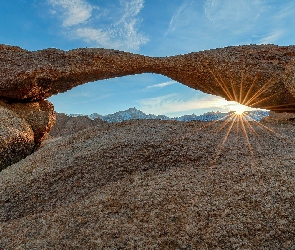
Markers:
<point>238,108</point>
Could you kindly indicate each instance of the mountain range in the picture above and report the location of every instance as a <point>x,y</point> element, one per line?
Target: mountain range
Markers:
<point>135,114</point>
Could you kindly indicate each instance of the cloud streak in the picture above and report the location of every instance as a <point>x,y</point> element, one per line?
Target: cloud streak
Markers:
<point>175,103</point>
<point>271,38</point>
<point>118,29</point>
<point>177,14</point>
<point>161,85</point>
<point>72,12</point>
<point>200,25</point>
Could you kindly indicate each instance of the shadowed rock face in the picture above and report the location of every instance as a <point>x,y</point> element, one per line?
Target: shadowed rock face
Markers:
<point>255,75</point>
<point>66,125</point>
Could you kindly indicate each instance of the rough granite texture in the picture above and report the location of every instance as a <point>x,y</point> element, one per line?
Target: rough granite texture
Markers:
<point>39,115</point>
<point>280,116</point>
<point>16,138</point>
<point>67,125</point>
<point>25,120</point>
<point>155,185</point>
<point>260,76</point>
<point>148,184</point>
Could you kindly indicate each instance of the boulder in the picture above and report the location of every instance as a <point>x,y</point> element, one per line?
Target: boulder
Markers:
<point>23,126</point>
<point>260,76</point>
<point>279,117</point>
<point>16,138</point>
<point>39,115</point>
<point>67,125</point>
<point>154,184</point>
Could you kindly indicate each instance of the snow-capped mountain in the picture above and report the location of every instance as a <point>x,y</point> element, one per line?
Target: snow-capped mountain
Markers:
<point>131,114</point>
<point>135,114</point>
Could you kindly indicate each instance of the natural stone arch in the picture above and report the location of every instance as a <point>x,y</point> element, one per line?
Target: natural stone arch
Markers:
<point>260,76</point>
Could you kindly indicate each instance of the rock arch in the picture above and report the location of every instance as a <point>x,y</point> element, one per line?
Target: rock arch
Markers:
<point>260,76</point>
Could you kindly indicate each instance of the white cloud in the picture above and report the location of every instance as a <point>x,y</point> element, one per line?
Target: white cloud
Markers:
<point>177,14</point>
<point>118,29</point>
<point>131,8</point>
<point>161,85</point>
<point>273,37</point>
<point>231,14</point>
<point>174,103</point>
<point>92,35</point>
<point>73,12</point>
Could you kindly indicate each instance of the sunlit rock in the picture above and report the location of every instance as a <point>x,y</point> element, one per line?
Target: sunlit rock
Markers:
<point>16,138</point>
<point>277,117</point>
<point>259,76</point>
<point>23,126</point>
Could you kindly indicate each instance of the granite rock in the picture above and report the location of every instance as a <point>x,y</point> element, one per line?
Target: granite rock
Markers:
<point>259,76</point>
<point>67,125</point>
<point>154,185</point>
<point>39,115</point>
<point>16,138</point>
<point>23,126</point>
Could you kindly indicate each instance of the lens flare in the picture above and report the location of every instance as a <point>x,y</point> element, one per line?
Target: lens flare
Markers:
<point>239,109</point>
<point>235,107</point>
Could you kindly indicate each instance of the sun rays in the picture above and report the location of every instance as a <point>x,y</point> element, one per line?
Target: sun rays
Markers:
<point>239,109</point>
<point>239,123</point>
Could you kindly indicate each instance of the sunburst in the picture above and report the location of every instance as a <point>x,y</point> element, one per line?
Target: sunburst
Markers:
<point>239,109</point>
<point>242,100</point>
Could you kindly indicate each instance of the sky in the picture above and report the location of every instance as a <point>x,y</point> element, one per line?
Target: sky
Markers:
<point>148,27</point>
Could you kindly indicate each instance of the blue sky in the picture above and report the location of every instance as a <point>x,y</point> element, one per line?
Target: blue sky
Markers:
<point>149,27</point>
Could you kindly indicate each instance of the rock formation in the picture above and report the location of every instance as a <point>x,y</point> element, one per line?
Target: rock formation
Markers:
<point>66,125</point>
<point>23,126</point>
<point>259,76</point>
<point>39,115</point>
<point>16,138</point>
<point>152,185</point>
<point>279,117</point>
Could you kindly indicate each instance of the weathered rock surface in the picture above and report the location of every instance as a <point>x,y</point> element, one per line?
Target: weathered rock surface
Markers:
<point>260,76</point>
<point>16,138</point>
<point>37,75</point>
<point>30,122</point>
<point>40,115</point>
<point>154,185</point>
<point>281,116</point>
<point>256,75</point>
<point>68,125</point>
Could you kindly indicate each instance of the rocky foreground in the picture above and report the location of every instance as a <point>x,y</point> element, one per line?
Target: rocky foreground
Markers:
<point>155,185</point>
